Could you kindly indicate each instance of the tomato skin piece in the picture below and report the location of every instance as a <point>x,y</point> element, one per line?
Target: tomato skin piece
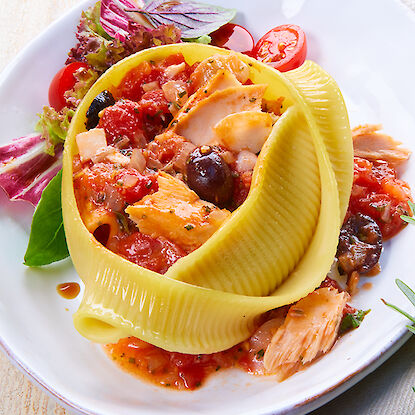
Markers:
<point>63,81</point>
<point>234,37</point>
<point>284,47</point>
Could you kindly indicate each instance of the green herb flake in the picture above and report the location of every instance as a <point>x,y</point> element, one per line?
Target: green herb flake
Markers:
<point>189,227</point>
<point>131,360</point>
<point>260,354</point>
<point>352,320</point>
<point>122,221</point>
<point>181,94</point>
<point>47,243</point>
<point>410,218</point>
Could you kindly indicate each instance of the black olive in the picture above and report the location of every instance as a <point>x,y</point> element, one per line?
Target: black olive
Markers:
<point>360,244</point>
<point>100,102</point>
<point>209,176</point>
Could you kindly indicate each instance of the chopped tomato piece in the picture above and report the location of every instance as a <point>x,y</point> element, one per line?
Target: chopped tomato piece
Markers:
<point>124,119</point>
<point>157,255</point>
<point>378,193</point>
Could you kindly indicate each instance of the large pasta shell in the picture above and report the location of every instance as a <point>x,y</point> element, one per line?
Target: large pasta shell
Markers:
<point>276,248</point>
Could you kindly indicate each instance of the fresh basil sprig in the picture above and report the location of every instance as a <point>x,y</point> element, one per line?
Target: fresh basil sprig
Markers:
<point>47,241</point>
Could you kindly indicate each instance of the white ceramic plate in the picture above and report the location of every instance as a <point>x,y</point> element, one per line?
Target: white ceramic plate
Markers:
<point>367,47</point>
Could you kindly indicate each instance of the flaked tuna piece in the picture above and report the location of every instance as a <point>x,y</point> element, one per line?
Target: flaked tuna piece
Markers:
<point>373,145</point>
<point>309,330</point>
<point>210,66</point>
<point>197,124</point>
<point>221,80</point>
<point>246,130</point>
<point>177,213</point>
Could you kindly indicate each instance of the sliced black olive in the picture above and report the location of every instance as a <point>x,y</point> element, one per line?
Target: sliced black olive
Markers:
<point>209,176</point>
<point>360,244</point>
<point>100,102</point>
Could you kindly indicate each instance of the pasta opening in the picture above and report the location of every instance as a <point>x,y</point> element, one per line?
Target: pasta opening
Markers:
<point>98,330</point>
<point>102,233</point>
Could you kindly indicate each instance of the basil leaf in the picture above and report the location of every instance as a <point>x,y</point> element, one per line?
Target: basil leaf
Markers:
<point>47,241</point>
<point>193,19</point>
<point>352,321</point>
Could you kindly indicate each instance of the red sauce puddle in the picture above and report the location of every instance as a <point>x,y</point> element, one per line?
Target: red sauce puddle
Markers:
<point>68,290</point>
<point>171,369</point>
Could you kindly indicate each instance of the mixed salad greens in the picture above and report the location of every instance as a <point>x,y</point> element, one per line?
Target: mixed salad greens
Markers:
<point>108,32</point>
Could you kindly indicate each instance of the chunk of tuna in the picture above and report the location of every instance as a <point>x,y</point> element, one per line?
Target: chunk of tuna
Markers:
<point>197,124</point>
<point>373,145</point>
<point>177,213</point>
<point>246,130</point>
<point>309,330</point>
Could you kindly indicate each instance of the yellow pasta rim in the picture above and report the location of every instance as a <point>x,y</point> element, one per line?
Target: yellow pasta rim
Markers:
<point>124,299</point>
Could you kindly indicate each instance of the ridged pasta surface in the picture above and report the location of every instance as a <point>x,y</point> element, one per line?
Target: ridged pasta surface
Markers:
<point>294,183</point>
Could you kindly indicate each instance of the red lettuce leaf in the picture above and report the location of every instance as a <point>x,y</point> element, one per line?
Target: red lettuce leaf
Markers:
<point>116,22</point>
<point>26,168</point>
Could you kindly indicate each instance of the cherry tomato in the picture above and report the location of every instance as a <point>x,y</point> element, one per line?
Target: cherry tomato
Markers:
<point>63,81</point>
<point>234,37</point>
<point>284,47</point>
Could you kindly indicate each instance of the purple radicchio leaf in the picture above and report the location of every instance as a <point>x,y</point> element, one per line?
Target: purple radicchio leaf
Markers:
<point>192,18</point>
<point>26,168</point>
<point>116,21</point>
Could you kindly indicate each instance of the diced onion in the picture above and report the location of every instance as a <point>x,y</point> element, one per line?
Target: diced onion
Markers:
<point>102,154</point>
<point>129,180</point>
<point>172,70</point>
<point>179,161</point>
<point>90,143</point>
<point>138,160</point>
<point>245,161</point>
<point>151,86</point>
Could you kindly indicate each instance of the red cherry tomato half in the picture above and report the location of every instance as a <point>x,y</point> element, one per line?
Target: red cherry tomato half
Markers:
<point>63,81</point>
<point>284,47</point>
<point>234,37</point>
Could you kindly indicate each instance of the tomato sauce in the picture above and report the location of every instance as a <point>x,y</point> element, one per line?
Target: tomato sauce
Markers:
<point>378,193</point>
<point>170,369</point>
<point>156,254</point>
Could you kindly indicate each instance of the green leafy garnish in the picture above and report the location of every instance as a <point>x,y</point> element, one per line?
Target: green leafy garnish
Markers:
<point>260,354</point>
<point>47,241</point>
<point>410,295</point>
<point>205,39</point>
<point>352,320</point>
<point>54,126</point>
<point>409,219</point>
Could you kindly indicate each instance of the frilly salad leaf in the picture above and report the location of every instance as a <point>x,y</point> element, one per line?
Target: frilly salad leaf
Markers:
<point>54,126</point>
<point>47,241</point>
<point>26,168</point>
<point>192,18</point>
<point>102,51</point>
<point>85,78</point>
